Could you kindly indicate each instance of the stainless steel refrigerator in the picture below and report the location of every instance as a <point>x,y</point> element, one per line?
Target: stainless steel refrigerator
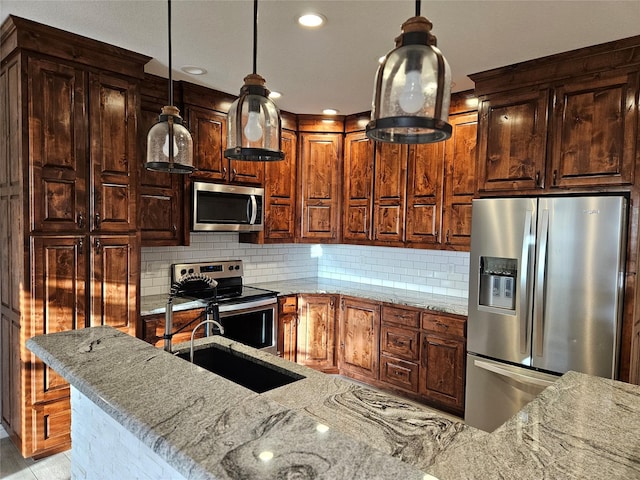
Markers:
<point>545,296</point>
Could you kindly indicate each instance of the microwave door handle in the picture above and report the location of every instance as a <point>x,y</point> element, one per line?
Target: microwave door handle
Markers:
<point>540,283</point>
<point>252,210</point>
<point>524,277</point>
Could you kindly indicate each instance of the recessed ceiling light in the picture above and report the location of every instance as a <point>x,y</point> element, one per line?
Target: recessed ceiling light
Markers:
<point>275,95</point>
<point>311,20</point>
<point>330,111</point>
<point>193,70</point>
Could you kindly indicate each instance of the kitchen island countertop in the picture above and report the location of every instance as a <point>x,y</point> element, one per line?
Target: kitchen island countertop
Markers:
<point>154,304</point>
<point>580,427</point>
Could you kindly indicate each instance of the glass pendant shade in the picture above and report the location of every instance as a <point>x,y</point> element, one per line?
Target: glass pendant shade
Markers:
<point>412,90</point>
<point>253,124</point>
<point>169,144</point>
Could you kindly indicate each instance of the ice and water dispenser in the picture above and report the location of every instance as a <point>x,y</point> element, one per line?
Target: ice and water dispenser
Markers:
<point>498,282</point>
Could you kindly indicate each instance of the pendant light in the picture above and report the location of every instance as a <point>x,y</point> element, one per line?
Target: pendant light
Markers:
<point>169,143</point>
<point>253,123</point>
<point>412,90</point>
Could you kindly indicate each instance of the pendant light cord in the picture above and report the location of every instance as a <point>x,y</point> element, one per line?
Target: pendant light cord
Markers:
<point>255,36</point>
<point>170,65</point>
<point>418,8</point>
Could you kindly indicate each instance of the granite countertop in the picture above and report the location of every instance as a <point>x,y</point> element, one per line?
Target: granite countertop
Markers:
<point>209,427</point>
<point>154,304</point>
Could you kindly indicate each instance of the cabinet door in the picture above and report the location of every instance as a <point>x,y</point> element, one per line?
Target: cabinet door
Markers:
<point>512,141</point>
<point>460,179</point>
<point>320,175</point>
<point>390,193</point>
<point>280,192</point>
<point>246,172</point>
<point>442,370</point>
<point>57,139</point>
<point>112,120</point>
<point>316,331</point>
<point>114,280</point>
<point>595,126</point>
<point>358,187</point>
<point>58,276</point>
<point>51,425</point>
<point>209,131</point>
<point>161,194</point>
<point>424,193</point>
<point>287,327</point>
<point>359,338</point>
<point>153,326</point>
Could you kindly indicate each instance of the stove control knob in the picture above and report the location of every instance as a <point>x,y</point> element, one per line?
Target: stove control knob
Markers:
<point>183,271</point>
<point>237,267</point>
<point>230,267</point>
<point>191,271</point>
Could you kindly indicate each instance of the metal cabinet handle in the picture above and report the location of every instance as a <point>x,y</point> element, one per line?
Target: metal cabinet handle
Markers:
<point>555,177</point>
<point>234,173</point>
<point>224,172</point>
<point>80,247</point>
<point>537,180</point>
<point>447,240</point>
<point>80,220</point>
<point>98,220</point>
<point>98,245</point>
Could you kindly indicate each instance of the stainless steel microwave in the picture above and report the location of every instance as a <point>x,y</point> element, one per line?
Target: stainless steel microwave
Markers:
<point>227,208</point>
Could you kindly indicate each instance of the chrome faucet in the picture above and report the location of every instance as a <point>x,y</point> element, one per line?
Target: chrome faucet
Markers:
<point>175,288</point>
<point>204,322</point>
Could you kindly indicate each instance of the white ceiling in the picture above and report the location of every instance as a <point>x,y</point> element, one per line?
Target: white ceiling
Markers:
<point>334,66</point>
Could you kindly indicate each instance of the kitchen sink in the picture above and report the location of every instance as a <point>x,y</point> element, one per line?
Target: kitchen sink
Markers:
<point>244,371</point>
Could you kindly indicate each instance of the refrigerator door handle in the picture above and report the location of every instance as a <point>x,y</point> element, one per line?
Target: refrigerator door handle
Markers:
<point>524,277</point>
<point>518,377</point>
<point>541,264</point>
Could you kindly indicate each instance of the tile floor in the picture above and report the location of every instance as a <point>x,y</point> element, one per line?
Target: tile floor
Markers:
<point>14,467</point>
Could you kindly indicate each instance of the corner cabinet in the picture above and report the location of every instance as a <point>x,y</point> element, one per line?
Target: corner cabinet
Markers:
<point>359,338</point>
<point>358,187</point>
<point>68,187</point>
<point>319,187</point>
<point>316,333</point>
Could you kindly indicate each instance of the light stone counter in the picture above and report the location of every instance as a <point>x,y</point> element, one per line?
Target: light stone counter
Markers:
<point>208,427</point>
<point>154,304</point>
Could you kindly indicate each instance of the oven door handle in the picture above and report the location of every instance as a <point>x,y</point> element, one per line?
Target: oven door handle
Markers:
<point>252,305</point>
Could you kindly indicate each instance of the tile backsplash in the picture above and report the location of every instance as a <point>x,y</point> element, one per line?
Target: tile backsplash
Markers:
<point>431,271</point>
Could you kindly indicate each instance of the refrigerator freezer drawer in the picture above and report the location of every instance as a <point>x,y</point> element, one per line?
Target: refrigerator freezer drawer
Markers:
<point>496,391</point>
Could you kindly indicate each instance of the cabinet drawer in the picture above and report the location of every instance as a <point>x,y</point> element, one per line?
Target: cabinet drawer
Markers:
<point>400,342</point>
<point>443,324</point>
<point>288,304</point>
<point>400,316</point>
<point>399,372</point>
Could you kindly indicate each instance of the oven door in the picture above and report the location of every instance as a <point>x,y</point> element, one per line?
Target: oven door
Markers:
<point>253,323</point>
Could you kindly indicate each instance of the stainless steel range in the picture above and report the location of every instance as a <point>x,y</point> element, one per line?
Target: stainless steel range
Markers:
<point>248,314</point>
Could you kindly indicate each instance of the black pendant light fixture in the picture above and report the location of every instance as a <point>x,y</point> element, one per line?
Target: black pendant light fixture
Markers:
<point>169,143</point>
<point>253,122</point>
<point>413,89</point>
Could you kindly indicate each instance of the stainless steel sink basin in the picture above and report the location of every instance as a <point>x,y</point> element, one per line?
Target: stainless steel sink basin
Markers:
<point>244,371</point>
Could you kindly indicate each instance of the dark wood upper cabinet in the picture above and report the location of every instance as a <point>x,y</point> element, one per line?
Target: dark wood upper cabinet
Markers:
<point>389,194</point>
<point>567,121</point>
<point>424,193</point>
<point>280,192</point>
<point>58,138</point>
<point>358,187</point>
<point>112,123</point>
<point>160,217</point>
<point>512,140</point>
<point>319,186</point>
<point>594,126</point>
<point>459,180</point>
<point>209,131</point>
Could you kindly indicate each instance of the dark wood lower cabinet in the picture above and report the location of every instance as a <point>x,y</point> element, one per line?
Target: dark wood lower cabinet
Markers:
<point>316,332</point>
<point>441,375</point>
<point>153,326</point>
<point>288,327</point>
<point>359,333</point>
